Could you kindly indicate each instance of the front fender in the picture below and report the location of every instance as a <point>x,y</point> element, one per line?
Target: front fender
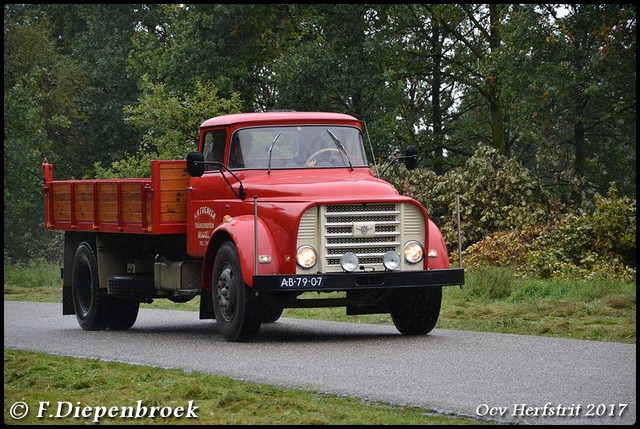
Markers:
<point>436,242</point>
<point>240,231</point>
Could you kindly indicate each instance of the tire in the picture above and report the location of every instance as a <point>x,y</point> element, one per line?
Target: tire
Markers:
<point>122,313</point>
<point>95,310</point>
<point>236,311</point>
<point>90,302</point>
<point>415,311</point>
<point>270,313</point>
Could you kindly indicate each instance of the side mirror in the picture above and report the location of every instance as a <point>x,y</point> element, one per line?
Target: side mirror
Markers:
<point>195,164</point>
<point>411,157</point>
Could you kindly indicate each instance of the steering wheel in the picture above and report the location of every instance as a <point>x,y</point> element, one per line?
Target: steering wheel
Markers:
<point>311,160</point>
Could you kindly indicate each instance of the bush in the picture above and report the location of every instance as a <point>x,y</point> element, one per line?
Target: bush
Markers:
<point>503,249</point>
<point>599,244</point>
<point>509,220</point>
<point>496,194</point>
<point>36,273</point>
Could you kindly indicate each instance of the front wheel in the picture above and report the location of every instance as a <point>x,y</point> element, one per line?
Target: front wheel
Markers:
<point>270,314</point>
<point>237,311</point>
<point>415,311</point>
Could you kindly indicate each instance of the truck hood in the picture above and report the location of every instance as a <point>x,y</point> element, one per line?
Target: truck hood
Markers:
<point>316,184</point>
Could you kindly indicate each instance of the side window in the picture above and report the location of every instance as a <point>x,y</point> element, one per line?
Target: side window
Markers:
<point>214,143</point>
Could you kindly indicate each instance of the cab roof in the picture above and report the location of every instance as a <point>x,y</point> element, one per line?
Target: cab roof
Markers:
<point>279,117</point>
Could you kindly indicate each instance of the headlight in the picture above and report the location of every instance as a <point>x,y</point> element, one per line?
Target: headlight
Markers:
<point>391,260</point>
<point>306,257</point>
<point>413,252</point>
<point>349,262</point>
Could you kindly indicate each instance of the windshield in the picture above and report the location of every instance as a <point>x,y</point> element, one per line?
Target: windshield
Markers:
<point>309,146</point>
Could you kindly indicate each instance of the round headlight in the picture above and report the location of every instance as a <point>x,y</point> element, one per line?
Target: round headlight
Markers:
<point>391,260</point>
<point>349,262</point>
<point>306,257</point>
<point>413,252</point>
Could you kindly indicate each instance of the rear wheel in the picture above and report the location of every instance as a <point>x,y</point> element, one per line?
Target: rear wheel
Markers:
<point>122,313</point>
<point>415,311</point>
<point>237,311</point>
<point>90,302</point>
<point>95,310</point>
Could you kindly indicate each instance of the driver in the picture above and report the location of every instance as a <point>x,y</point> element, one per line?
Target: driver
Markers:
<point>302,159</point>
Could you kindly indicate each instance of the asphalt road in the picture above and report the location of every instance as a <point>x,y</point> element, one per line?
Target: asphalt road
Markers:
<point>502,377</point>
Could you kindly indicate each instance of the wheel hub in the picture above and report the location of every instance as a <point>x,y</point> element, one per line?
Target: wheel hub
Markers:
<point>224,293</point>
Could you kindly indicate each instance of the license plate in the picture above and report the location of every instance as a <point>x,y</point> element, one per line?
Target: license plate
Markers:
<point>301,282</point>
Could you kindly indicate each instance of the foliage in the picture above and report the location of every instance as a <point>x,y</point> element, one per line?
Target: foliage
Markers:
<point>552,92</point>
<point>602,242</point>
<point>496,193</point>
<point>509,220</point>
<point>37,273</point>
<point>169,125</point>
<point>98,37</point>
<point>509,248</point>
<point>341,53</point>
<point>565,76</point>
<point>228,45</point>
<point>597,244</point>
<point>40,100</point>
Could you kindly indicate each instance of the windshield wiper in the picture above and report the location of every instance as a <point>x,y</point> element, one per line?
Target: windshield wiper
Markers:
<point>270,150</point>
<point>342,149</point>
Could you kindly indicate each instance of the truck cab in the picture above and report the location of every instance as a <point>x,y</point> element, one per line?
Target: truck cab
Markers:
<point>288,213</point>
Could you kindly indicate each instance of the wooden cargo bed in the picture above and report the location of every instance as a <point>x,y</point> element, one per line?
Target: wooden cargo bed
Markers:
<point>156,205</point>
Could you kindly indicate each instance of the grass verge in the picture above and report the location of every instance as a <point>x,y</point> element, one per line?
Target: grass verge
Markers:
<point>69,387</point>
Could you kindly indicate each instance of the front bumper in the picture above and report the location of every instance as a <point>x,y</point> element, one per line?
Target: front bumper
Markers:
<point>358,281</point>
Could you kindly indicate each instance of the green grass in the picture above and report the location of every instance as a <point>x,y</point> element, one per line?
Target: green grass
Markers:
<point>37,378</point>
<point>494,300</point>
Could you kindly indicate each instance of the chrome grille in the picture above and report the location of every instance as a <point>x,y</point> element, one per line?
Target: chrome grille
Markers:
<point>382,233</point>
<point>368,230</point>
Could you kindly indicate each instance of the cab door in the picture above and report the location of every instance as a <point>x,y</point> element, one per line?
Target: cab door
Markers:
<point>206,194</point>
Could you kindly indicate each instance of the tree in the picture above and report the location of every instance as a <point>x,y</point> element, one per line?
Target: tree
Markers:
<point>99,37</point>
<point>41,91</point>
<point>337,59</point>
<point>169,123</point>
<point>570,82</point>
<point>476,31</point>
<point>225,44</point>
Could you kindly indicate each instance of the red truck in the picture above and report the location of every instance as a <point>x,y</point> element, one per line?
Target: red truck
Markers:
<point>275,210</point>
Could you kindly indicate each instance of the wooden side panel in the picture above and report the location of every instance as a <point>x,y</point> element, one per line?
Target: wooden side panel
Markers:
<point>107,202</point>
<point>174,180</point>
<point>83,197</point>
<point>132,199</point>
<point>156,205</point>
<point>61,195</point>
